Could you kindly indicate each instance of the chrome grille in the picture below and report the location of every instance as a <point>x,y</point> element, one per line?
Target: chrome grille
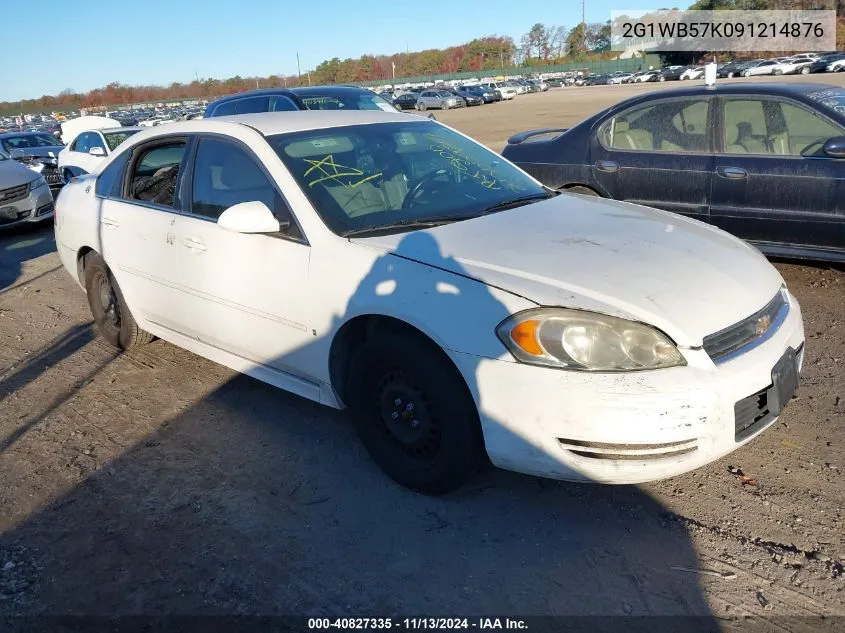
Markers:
<point>740,337</point>
<point>13,194</point>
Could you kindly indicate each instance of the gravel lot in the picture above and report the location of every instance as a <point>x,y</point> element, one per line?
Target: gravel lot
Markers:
<point>156,482</point>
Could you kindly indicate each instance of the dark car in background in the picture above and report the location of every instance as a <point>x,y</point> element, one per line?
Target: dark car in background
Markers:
<point>37,150</point>
<point>765,162</point>
<point>733,69</point>
<point>821,64</point>
<point>406,101</point>
<point>488,96</point>
<point>287,99</point>
<point>670,73</point>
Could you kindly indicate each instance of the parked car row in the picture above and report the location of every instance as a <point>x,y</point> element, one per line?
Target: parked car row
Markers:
<point>445,96</point>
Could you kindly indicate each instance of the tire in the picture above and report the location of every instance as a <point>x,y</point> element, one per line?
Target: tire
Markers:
<point>805,70</point>
<point>777,72</point>
<point>421,106</point>
<point>438,454</point>
<point>746,74</point>
<point>730,75</point>
<point>112,318</point>
<point>661,79</point>
<point>584,191</point>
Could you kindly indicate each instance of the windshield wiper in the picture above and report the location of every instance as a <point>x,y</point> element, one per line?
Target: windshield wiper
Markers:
<point>406,224</point>
<point>518,202</point>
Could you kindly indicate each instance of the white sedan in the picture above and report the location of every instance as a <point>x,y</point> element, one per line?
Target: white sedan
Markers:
<point>693,73</point>
<point>389,264</point>
<point>89,148</point>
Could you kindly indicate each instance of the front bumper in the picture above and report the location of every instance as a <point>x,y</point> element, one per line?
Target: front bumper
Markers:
<point>623,428</point>
<point>36,206</point>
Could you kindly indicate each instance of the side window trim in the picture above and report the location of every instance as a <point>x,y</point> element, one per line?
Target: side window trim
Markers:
<point>709,133</point>
<point>721,132</point>
<point>140,149</point>
<point>187,187</point>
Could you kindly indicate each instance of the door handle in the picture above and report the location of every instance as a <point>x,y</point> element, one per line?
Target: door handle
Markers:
<point>194,244</point>
<point>732,173</point>
<point>607,165</point>
<point>107,221</point>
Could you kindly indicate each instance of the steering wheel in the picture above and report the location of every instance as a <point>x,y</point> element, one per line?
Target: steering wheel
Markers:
<point>415,190</point>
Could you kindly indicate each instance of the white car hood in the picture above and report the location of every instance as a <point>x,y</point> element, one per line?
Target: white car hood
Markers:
<point>678,274</point>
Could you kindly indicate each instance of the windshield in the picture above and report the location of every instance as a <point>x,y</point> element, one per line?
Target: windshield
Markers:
<point>352,101</point>
<point>113,139</point>
<point>362,177</point>
<point>29,141</point>
<point>832,99</point>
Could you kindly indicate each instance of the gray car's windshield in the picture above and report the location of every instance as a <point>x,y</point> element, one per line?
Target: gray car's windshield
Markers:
<point>364,177</point>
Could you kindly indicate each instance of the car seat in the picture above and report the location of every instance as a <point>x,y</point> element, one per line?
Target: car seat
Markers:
<point>626,138</point>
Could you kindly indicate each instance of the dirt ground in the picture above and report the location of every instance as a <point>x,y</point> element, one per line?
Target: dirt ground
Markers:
<point>156,482</point>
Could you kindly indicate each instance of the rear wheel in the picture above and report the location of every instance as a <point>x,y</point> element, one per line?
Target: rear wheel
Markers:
<point>421,106</point>
<point>805,70</point>
<point>112,318</point>
<point>730,75</point>
<point>746,74</point>
<point>414,413</point>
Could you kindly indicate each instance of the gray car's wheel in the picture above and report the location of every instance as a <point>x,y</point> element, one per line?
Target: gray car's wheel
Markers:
<point>421,106</point>
<point>805,70</point>
<point>112,318</point>
<point>746,74</point>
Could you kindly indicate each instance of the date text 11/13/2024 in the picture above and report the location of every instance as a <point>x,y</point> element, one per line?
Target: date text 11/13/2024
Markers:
<point>417,623</point>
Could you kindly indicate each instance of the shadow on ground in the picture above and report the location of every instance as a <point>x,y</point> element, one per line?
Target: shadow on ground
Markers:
<point>21,244</point>
<point>254,501</point>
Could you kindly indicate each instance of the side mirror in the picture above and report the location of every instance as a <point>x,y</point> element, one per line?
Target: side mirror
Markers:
<point>835,147</point>
<point>250,217</point>
<point>97,151</point>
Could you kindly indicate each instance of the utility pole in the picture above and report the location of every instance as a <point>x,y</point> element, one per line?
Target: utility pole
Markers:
<point>298,71</point>
<point>584,21</point>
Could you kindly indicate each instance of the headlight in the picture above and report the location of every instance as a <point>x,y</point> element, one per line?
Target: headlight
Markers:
<point>38,182</point>
<point>586,341</point>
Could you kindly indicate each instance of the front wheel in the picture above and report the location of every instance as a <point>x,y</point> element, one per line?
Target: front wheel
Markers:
<point>777,72</point>
<point>421,107</point>
<point>112,317</point>
<point>805,70</point>
<point>746,74</point>
<point>730,75</point>
<point>414,413</point>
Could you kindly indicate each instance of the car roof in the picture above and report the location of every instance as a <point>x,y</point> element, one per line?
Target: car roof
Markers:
<point>269,123</point>
<point>130,128</point>
<point>327,90</point>
<point>743,87</point>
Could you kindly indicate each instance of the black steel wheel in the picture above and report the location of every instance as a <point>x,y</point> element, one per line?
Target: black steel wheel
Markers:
<point>414,412</point>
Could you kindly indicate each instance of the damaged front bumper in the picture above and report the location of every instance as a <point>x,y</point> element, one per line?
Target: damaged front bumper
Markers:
<point>631,427</point>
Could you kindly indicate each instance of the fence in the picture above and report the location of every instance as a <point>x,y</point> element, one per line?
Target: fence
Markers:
<point>595,66</point>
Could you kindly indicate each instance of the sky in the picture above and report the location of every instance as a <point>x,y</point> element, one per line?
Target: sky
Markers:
<point>162,41</point>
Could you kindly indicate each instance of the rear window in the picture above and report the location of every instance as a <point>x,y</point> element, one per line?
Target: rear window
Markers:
<point>832,100</point>
<point>351,102</point>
